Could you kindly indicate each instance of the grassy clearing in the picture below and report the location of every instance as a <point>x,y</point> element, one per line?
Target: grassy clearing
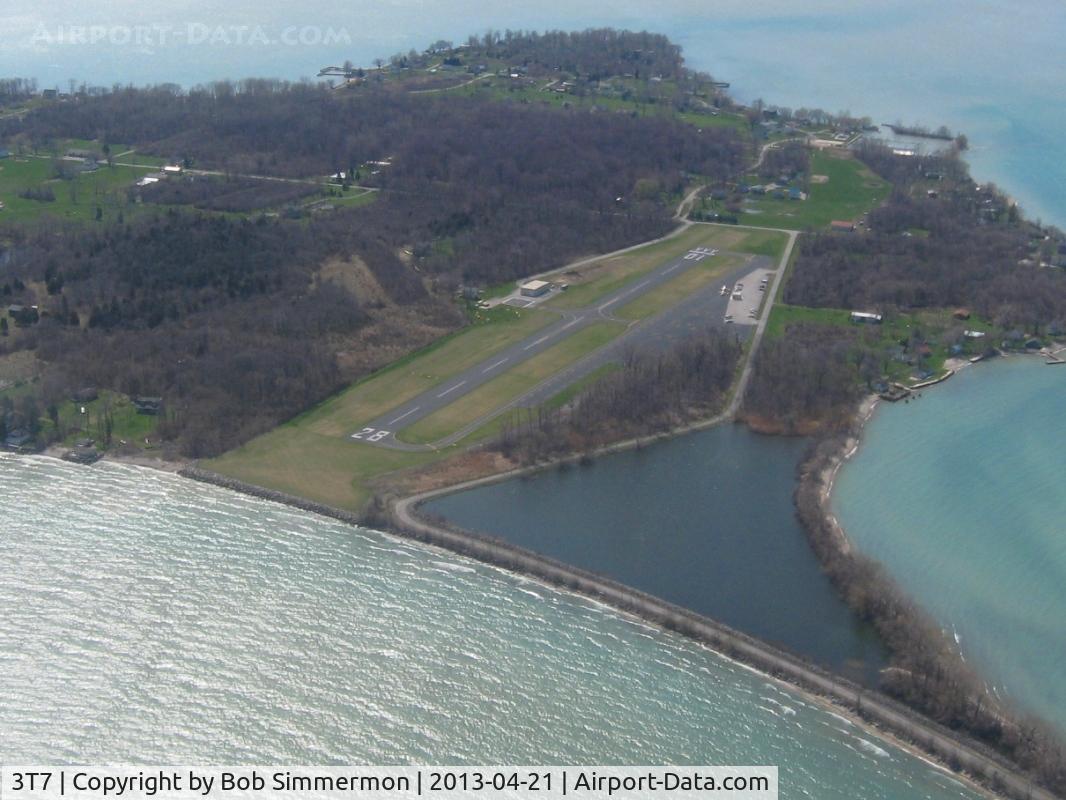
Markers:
<point>591,282</point>
<point>852,190</point>
<point>410,376</point>
<point>498,88</point>
<point>75,199</point>
<point>352,199</point>
<point>495,394</point>
<point>674,291</point>
<point>139,159</point>
<point>784,315</point>
<point>327,469</point>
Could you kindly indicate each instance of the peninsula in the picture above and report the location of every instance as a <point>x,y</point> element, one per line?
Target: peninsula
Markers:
<point>491,257</point>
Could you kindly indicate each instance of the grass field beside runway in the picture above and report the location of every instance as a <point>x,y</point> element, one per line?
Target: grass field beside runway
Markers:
<point>511,385</point>
<point>500,328</point>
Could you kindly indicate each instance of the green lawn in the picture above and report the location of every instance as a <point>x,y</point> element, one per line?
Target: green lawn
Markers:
<point>501,88</point>
<point>353,198</point>
<point>127,425</point>
<point>784,315</point>
<point>851,190</point>
<point>334,470</point>
<point>75,199</point>
<point>512,384</point>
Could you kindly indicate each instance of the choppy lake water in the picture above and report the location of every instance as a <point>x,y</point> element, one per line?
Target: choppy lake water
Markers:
<point>149,619</point>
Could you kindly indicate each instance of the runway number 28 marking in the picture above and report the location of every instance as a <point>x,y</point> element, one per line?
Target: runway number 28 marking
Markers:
<point>699,253</point>
<point>371,434</point>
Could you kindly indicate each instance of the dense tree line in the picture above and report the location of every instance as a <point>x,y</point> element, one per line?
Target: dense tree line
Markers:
<point>806,379</point>
<point>789,159</point>
<point>223,317</point>
<point>278,128</point>
<point>481,191</point>
<point>594,54</point>
<point>651,391</point>
<point>16,90</point>
<point>232,194</point>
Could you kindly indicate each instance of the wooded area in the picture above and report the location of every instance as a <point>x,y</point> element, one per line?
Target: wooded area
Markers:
<point>224,317</point>
<point>652,391</point>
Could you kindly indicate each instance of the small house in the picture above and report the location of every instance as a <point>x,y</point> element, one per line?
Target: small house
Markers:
<point>173,169</point>
<point>18,439</point>
<point>842,226</point>
<point>24,315</point>
<point>961,313</point>
<point>148,405</point>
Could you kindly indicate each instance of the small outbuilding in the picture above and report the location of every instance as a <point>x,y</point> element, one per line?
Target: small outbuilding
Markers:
<point>866,318</point>
<point>148,405</point>
<point>842,226</point>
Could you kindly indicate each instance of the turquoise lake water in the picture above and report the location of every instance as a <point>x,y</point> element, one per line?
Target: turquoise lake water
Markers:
<point>990,68</point>
<point>149,619</point>
<point>960,495</point>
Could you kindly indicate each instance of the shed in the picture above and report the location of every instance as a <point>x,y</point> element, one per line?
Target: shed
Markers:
<point>148,405</point>
<point>866,318</point>
<point>842,225</point>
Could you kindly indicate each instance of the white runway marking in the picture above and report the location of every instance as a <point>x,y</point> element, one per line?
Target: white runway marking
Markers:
<point>403,416</point>
<point>449,391</point>
<point>491,367</point>
<point>539,341</point>
<point>569,324</point>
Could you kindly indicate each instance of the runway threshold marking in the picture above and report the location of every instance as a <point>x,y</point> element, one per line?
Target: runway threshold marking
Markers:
<point>449,391</point>
<point>404,416</point>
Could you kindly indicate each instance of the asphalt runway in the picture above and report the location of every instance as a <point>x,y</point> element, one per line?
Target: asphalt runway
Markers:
<point>705,307</point>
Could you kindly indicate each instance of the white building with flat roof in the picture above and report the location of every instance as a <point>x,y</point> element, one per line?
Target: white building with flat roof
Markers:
<point>535,288</point>
<point>865,317</point>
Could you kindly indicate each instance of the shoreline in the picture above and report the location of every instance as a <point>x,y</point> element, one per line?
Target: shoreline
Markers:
<point>871,710</point>
<point>897,612</point>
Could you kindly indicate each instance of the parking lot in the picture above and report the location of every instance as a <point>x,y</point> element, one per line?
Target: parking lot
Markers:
<point>746,297</point>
